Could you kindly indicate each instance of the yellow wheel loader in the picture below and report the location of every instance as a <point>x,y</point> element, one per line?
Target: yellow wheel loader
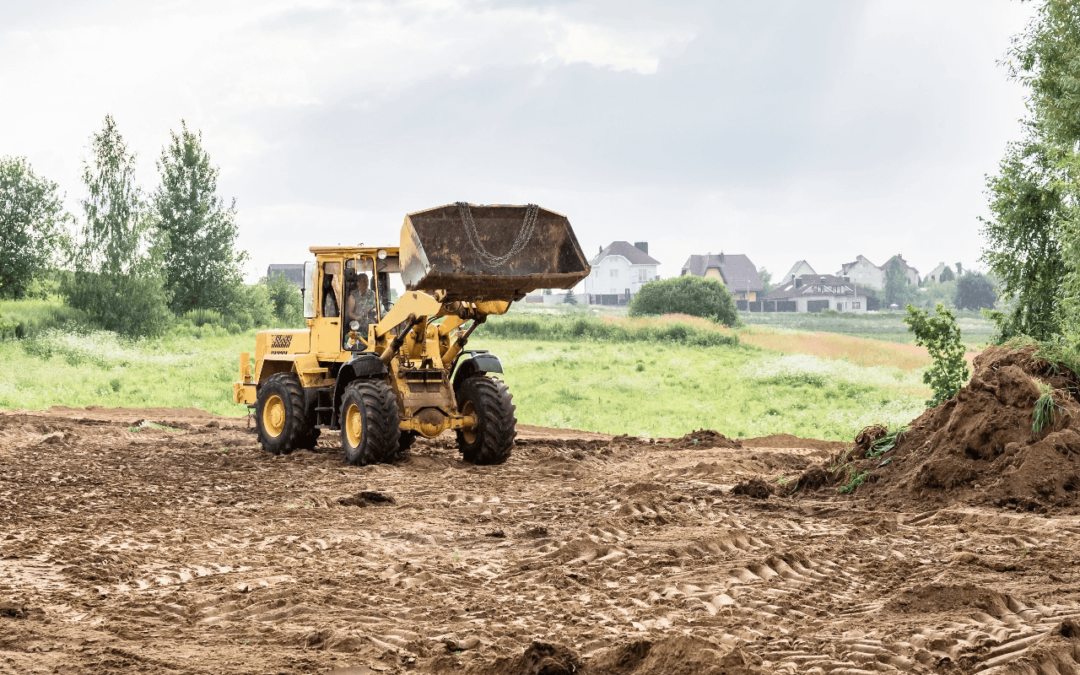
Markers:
<point>383,357</point>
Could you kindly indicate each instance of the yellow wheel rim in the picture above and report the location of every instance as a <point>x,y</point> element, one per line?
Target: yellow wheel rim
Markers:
<point>274,416</point>
<point>354,425</point>
<point>469,434</point>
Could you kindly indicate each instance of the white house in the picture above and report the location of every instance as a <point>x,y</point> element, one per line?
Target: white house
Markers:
<point>797,270</point>
<point>863,272</point>
<point>618,272</point>
<point>815,292</point>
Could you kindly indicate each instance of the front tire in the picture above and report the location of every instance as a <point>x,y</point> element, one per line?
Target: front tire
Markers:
<point>369,423</point>
<point>491,402</point>
<point>279,414</point>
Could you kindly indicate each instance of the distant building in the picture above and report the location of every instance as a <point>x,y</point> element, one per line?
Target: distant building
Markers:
<point>735,270</point>
<point>618,273</point>
<point>797,270</point>
<point>935,274</point>
<point>815,292</point>
<point>863,272</point>
<point>294,273</point>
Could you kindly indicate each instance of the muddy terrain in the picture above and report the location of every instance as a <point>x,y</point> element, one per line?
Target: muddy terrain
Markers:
<point>164,541</point>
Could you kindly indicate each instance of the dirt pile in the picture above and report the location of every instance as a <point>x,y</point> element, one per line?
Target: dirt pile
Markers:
<point>979,447</point>
<point>704,439</point>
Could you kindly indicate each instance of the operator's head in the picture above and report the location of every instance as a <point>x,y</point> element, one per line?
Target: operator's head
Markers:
<point>362,282</point>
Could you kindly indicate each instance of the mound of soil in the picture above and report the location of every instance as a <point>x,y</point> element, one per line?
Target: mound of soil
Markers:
<point>978,447</point>
<point>932,598</point>
<point>366,498</point>
<point>755,487</point>
<point>705,438</point>
<point>681,655</point>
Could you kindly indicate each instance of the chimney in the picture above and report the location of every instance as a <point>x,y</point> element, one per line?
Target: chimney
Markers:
<point>643,246</point>
<point>600,251</point>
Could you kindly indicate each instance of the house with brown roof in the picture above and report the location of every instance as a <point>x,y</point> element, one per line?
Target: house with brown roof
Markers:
<point>619,270</point>
<point>815,292</point>
<point>735,270</point>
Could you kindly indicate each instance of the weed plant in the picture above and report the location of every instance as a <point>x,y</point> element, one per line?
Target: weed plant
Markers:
<point>1044,408</point>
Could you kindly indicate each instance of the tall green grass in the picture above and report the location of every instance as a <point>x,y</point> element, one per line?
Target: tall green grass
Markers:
<point>888,326</point>
<point>570,328</point>
<point>25,318</point>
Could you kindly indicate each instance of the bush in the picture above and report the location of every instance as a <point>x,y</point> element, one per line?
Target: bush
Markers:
<point>26,318</point>
<point>130,304</point>
<point>688,294</point>
<point>974,291</point>
<point>941,337</point>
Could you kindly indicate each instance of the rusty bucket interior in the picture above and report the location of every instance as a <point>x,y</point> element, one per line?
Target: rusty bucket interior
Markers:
<point>489,252</point>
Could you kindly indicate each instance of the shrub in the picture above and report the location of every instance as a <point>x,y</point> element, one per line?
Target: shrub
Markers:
<point>941,337</point>
<point>687,294</point>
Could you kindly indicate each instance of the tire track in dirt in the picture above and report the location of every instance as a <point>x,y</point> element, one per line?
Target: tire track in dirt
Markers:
<point>189,551</point>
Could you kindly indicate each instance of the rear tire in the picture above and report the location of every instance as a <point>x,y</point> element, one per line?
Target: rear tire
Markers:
<point>369,423</point>
<point>279,414</point>
<point>493,438</point>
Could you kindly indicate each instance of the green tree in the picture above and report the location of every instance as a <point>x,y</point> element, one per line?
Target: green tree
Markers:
<point>32,226</point>
<point>896,283</point>
<point>941,337</point>
<point>117,279</point>
<point>1023,248</point>
<point>570,298</point>
<point>974,291</point>
<point>688,294</point>
<point>947,275</point>
<point>201,262</point>
<point>285,298</point>
<point>766,281</point>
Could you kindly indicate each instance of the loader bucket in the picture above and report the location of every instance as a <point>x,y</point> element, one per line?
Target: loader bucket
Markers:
<point>489,252</point>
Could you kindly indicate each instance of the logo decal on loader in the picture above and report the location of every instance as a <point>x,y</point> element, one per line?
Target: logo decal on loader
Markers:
<point>281,342</point>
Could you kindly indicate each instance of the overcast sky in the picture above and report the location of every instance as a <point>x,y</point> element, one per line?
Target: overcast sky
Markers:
<point>784,130</point>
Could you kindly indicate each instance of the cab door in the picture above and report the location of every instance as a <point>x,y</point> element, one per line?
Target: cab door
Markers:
<point>326,328</point>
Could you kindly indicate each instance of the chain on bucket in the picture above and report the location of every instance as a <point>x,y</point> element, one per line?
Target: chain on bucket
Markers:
<point>527,227</point>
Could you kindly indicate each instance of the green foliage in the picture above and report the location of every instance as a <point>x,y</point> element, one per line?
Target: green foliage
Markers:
<point>887,442</point>
<point>1023,248</point>
<point>766,280</point>
<point>32,226</point>
<point>947,274</point>
<point>286,301</point>
<point>933,293</point>
<point>1043,414</point>
<point>941,337</point>
<point>201,263</point>
<point>974,291</point>
<point>687,294</point>
<point>887,326</point>
<point>26,318</point>
<point>855,480</point>
<point>569,329</point>
<point>570,299</point>
<point>897,288</point>
<point>117,280</point>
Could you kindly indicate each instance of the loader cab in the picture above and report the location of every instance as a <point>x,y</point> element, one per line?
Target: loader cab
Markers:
<point>356,287</point>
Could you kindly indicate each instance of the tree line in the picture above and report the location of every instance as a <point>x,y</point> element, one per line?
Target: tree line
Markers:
<point>1033,232</point>
<point>134,260</point>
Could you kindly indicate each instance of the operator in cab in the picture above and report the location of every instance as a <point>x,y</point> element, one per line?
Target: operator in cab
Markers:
<point>360,305</point>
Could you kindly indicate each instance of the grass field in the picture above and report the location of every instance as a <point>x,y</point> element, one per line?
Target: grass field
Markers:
<point>670,380</point>
<point>887,326</point>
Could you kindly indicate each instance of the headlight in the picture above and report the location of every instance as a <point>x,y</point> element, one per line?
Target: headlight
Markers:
<point>354,325</point>
<point>382,254</point>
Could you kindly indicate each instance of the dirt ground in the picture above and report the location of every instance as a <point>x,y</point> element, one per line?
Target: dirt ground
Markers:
<point>190,551</point>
